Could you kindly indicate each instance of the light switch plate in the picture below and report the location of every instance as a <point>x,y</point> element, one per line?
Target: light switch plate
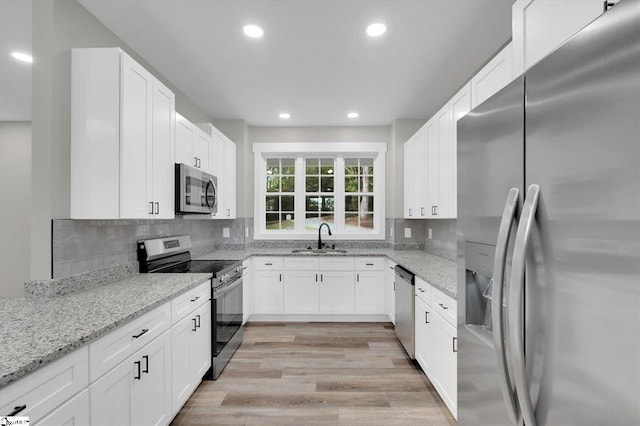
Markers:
<point>407,232</point>
<point>225,232</point>
<point>430,233</point>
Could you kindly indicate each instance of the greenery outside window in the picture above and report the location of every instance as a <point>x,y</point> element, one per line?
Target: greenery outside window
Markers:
<point>300,186</point>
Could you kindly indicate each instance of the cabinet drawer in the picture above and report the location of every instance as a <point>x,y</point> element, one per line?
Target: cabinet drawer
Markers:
<point>187,302</point>
<point>74,412</point>
<point>370,263</point>
<point>336,263</point>
<point>445,305</point>
<point>423,291</point>
<point>267,263</point>
<point>115,347</point>
<point>390,266</point>
<point>246,266</point>
<point>47,388</point>
<point>301,263</point>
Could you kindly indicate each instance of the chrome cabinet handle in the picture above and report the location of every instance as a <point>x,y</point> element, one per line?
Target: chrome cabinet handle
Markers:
<point>516,301</point>
<point>409,212</point>
<point>228,212</point>
<point>421,211</point>
<point>508,216</point>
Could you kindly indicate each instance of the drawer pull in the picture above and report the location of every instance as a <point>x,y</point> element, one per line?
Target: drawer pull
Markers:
<point>369,264</point>
<point>426,317</point>
<point>442,306</point>
<point>455,347</point>
<point>17,410</point>
<point>144,330</point>
<point>196,298</point>
<point>194,324</point>
<point>268,264</point>
<point>146,364</point>
<point>198,321</point>
<point>137,363</point>
<point>421,289</point>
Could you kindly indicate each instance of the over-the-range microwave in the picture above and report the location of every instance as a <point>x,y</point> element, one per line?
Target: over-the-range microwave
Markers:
<point>196,191</point>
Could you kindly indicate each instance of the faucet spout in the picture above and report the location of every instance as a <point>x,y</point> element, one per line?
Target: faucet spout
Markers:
<point>320,235</point>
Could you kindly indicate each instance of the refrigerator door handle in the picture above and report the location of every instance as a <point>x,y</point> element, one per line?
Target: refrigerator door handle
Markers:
<point>516,304</point>
<point>502,244</point>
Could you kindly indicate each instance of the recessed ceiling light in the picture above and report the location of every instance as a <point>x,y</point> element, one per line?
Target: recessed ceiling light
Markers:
<point>285,115</point>
<point>377,29</point>
<point>23,57</point>
<point>353,115</point>
<point>253,31</point>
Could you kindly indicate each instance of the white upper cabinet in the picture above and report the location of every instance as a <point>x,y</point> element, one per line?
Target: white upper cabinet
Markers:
<point>460,106</point>
<point>541,26</point>
<point>496,74</point>
<point>409,170</point>
<point>222,160</point>
<point>192,145</point>
<point>122,138</point>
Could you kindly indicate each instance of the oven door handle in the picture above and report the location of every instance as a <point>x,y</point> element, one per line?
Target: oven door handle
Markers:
<point>227,288</point>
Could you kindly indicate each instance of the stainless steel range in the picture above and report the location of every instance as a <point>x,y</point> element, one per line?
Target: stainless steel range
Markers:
<point>172,255</point>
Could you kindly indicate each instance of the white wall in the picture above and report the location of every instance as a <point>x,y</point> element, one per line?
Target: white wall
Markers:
<point>15,203</point>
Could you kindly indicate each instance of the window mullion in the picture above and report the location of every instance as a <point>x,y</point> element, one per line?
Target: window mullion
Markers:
<point>339,194</point>
<point>299,194</point>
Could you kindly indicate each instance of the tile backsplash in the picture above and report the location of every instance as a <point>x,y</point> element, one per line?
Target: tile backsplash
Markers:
<point>443,238</point>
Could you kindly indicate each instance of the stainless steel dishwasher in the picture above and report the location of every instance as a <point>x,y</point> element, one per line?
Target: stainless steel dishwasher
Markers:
<point>405,308</point>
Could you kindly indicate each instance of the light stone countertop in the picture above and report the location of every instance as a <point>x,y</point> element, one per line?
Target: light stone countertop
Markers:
<point>36,332</point>
<point>435,270</point>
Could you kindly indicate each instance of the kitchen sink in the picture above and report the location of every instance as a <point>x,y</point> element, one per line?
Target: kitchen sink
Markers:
<point>317,251</point>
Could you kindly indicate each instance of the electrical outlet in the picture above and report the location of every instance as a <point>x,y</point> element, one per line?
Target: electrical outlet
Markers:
<point>225,232</point>
<point>407,232</point>
<point>430,235</point>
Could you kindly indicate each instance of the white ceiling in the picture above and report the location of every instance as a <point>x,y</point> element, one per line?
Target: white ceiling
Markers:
<point>15,77</point>
<point>315,60</point>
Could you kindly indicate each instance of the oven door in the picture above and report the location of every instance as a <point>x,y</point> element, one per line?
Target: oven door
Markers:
<point>196,191</point>
<point>227,314</point>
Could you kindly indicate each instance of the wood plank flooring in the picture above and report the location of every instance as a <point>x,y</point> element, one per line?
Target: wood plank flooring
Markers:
<point>317,374</point>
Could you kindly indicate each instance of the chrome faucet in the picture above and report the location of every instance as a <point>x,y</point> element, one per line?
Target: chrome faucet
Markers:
<point>319,236</point>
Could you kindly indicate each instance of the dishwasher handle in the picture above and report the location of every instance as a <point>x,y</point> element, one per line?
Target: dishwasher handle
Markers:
<point>405,275</point>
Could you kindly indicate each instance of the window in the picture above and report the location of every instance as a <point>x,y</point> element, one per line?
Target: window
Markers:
<point>300,186</point>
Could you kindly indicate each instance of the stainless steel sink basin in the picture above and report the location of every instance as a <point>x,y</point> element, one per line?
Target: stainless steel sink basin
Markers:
<point>317,251</point>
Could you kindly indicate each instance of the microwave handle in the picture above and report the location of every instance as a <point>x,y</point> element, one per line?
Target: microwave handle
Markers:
<point>211,187</point>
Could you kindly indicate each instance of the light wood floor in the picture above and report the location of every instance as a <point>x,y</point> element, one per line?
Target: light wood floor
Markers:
<point>317,374</point>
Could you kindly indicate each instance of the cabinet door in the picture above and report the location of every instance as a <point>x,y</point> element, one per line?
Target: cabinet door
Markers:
<point>268,292</point>
<point>390,295</point>
<point>201,342</point>
<point>433,169</point>
<point>445,372</point>
<point>369,292</point>
<point>73,412</point>
<point>184,141</point>
<point>492,77</point>
<point>201,142</point>
<point>337,292</point>
<point>229,180</point>
<point>301,292</point>
<point>181,377</point>
<point>460,106</point>
<point>135,140</point>
<point>420,174</point>
<point>216,162</point>
<point>446,148</point>
<point>111,395</point>
<point>422,335</point>
<point>409,179</point>
<point>162,160</point>
<point>247,295</point>
<point>152,394</point>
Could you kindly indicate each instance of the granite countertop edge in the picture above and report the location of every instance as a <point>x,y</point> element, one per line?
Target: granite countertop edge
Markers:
<point>41,358</point>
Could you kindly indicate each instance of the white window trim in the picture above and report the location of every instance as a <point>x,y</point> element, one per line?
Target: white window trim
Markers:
<point>262,151</point>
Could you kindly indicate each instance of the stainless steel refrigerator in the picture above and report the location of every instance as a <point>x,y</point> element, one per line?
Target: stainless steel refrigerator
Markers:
<point>549,238</point>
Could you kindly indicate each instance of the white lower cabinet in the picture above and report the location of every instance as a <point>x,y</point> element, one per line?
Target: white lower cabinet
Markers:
<point>247,290</point>
<point>301,292</point>
<point>390,290</point>
<point>337,292</point>
<point>436,345</point>
<point>73,412</point>
<point>137,391</point>
<point>369,292</point>
<point>268,297</point>
<point>191,354</point>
